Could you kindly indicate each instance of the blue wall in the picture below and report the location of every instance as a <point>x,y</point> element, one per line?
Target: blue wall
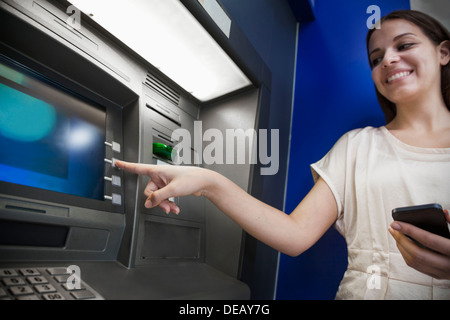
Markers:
<point>271,27</point>
<point>334,93</point>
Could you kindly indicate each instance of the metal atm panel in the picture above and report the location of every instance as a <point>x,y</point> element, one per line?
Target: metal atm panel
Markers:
<point>126,251</point>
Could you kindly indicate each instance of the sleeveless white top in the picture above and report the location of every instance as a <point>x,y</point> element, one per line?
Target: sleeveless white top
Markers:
<point>371,172</point>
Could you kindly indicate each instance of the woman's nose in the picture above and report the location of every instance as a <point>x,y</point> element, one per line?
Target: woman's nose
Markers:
<point>390,58</point>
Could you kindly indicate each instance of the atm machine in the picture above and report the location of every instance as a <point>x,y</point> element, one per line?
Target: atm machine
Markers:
<point>72,100</point>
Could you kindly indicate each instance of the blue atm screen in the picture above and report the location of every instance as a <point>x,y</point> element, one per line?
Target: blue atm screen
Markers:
<point>49,139</point>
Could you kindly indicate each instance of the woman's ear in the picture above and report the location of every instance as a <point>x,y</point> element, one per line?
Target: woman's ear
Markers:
<point>445,52</point>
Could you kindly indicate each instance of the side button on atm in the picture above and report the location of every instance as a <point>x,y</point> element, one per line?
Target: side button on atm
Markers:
<point>114,146</point>
<point>111,161</point>
<point>115,198</point>
<point>115,180</point>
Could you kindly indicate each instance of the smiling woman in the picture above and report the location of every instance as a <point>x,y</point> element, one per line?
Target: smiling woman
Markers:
<point>411,31</point>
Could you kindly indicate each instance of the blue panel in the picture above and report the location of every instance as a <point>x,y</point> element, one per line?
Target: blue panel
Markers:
<point>334,93</point>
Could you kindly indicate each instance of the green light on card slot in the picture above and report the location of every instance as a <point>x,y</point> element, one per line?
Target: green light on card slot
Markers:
<point>162,150</point>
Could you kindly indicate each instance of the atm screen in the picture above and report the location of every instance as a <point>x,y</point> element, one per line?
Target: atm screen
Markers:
<point>49,138</point>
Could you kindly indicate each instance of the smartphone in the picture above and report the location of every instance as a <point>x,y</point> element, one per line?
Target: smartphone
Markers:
<point>429,217</point>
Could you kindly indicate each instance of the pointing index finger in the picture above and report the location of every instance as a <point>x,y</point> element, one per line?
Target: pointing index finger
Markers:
<point>137,168</point>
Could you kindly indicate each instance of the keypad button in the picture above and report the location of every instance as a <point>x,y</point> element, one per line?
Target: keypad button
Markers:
<point>44,288</point>
<point>37,280</point>
<point>57,271</point>
<point>16,281</point>
<point>73,288</point>
<point>61,279</point>
<point>21,290</point>
<point>84,294</point>
<point>8,273</point>
<point>53,296</point>
<point>29,272</point>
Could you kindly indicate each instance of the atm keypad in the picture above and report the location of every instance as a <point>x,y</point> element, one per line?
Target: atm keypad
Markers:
<point>42,284</point>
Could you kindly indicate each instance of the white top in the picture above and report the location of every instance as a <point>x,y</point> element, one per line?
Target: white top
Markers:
<point>371,172</point>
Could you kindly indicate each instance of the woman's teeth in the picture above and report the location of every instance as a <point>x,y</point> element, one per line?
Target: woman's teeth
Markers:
<point>398,75</point>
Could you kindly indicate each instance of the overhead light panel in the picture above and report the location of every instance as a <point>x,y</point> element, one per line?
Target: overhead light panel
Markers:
<point>167,35</point>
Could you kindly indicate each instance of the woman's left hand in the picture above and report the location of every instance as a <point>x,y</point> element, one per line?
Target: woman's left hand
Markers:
<point>434,262</point>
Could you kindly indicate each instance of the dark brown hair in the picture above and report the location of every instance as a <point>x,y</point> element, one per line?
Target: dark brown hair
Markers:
<point>436,32</point>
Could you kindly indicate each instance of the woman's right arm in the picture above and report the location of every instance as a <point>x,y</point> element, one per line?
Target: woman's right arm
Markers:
<point>291,234</point>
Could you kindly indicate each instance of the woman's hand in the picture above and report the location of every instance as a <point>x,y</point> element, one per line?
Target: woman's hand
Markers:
<point>170,181</point>
<point>434,262</point>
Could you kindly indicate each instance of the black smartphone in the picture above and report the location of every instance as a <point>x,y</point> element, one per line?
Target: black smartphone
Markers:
<point>429,217</point>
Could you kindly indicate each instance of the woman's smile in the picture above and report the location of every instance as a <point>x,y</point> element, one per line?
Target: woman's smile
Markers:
<point>397,75</point>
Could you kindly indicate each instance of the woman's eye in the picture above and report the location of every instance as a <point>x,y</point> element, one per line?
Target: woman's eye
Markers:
<point>376,61</point>
<point>405,46</point>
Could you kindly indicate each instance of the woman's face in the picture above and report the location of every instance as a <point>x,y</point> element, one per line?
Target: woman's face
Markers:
<point>406,64</point>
